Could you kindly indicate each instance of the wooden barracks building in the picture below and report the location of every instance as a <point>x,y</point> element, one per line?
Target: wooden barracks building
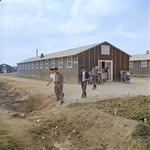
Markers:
<point>70,61</point>
<point>140,65</point>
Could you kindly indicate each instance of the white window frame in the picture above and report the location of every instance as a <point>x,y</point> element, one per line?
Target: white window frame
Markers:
<point>22,66</point>
<point>52,63</point>
<point>25,65</point>
<point>46,64</point>
<point>36,65</point>
<point>69,61</point>
<point>32,65</point>
<point>143,63</point>
<point>131,64</point>
<point>18,67</point>
<point>41,64</point>
<point>105,49</point>
<point>75,61</point>
<point>28,65</point>
<point>60,62</point>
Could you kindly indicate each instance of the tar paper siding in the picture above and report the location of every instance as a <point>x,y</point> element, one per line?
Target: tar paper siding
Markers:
<point>69,74</point>
<point>89,58</point>
<point>137,70</point>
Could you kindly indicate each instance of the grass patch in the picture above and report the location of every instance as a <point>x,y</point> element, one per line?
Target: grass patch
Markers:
<point>74,105</point>
<point>3,132</point>
<point>141,136</point>
<point>142,131</point>
<point>136,107</point>
<point>8,143</point>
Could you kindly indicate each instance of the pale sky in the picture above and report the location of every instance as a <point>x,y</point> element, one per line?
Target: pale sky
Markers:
<point>55,25</point>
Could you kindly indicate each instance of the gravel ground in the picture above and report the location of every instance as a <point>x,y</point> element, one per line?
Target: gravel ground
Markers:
<point>137,86</point>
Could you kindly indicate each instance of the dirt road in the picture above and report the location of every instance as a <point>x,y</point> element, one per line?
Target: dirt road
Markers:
<point>60,127</point>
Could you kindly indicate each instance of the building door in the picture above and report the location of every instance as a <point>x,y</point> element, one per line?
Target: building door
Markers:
<point>103,64</point>
<point>4,70</point>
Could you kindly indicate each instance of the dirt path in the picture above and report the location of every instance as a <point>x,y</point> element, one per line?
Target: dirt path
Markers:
<point>74,128</point>
<point>73,91</point>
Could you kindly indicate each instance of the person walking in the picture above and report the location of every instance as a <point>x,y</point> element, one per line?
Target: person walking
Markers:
<point>52,76</point>
<point>83,77</point>
<point>59,85</point>
<point>122,75</point>
<point>94,74</point>
<point>106,72</point>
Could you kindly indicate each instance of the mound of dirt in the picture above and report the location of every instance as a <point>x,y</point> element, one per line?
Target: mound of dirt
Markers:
<point>49,126</point>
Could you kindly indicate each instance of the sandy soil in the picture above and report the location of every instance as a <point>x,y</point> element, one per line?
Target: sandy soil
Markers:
<point>107,90</point>
<point>96,129</point>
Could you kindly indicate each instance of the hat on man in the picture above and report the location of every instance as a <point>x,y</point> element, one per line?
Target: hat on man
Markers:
<point>55,68</point>
<point>82,67</point>
<point>51,69</point>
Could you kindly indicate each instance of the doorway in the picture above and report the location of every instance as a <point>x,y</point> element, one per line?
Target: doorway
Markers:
<point>4,70</point>
<point>103,64</point>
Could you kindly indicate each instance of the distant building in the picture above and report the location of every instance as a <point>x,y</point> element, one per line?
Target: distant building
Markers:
<point>140,64</point>
<point>4,68</point>
<point>70,61</point>
<point>14,69</point>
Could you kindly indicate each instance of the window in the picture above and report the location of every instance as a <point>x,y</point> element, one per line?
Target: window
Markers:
<point>25,65</point>
<point>69,62</point>
<point>105,49</point>
<point>18,67</point>
<point>28,65</point>
<point>60,62</point>
<point>36,65</point>
<point>46,63</point>
<point>131,63</point>
<point>22,66</point>
<point>32,65</point>
<point>41,64</point>
<point>52,63</point>
<point>144,63</point>
<point>75,59</point>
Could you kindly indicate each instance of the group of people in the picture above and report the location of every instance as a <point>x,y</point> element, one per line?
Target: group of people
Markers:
<point>125,76</point>
<point>57,78</point>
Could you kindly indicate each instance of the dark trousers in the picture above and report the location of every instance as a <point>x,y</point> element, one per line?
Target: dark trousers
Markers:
<point>59,90</point>
<point>94,82</point>
<point>83,86</point>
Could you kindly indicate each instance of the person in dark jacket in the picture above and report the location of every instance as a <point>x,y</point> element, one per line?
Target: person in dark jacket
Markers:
<point>83,77</point>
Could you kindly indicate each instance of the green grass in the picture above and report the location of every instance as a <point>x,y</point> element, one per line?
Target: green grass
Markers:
<point>136,107</point>
<point>3,132</point>
<point>141,136</point>
<point>8,143</point>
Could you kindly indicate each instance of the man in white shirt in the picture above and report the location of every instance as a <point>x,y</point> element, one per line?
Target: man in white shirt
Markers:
<point>52,76</point>
<point>53,79</point>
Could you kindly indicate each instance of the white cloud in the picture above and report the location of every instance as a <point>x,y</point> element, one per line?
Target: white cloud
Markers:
<point>35,5</point>
<point>85,15</point>
<point>129,34</point>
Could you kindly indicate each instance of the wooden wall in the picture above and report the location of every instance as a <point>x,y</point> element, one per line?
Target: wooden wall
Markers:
<point>89,58</point>
<point>137,70</point>
<point>70,74</point>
